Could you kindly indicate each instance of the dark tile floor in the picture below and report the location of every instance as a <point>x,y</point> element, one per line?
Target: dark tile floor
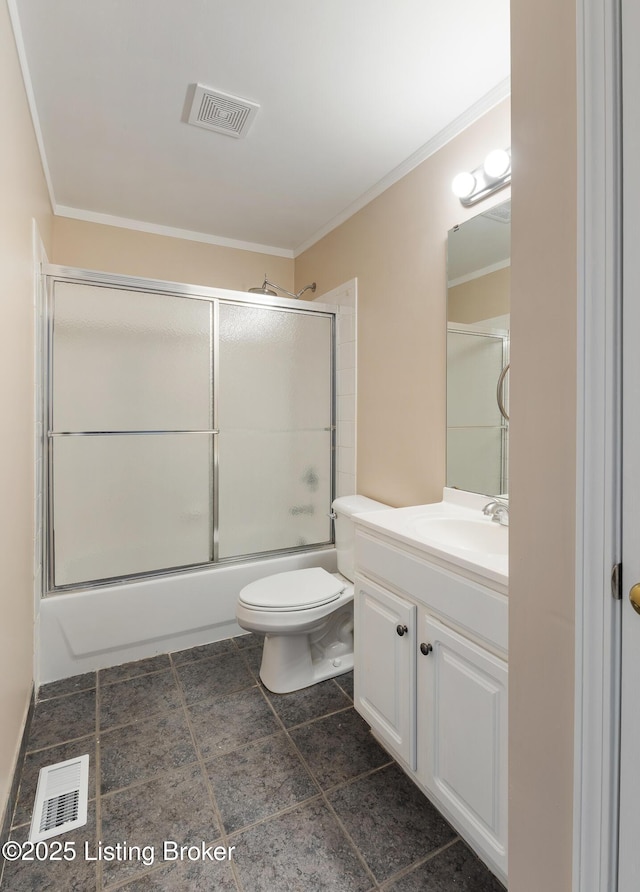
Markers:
<point>189,749</point>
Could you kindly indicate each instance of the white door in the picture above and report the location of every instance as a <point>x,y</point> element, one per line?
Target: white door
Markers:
<point>385,666</point>
<point>629,853</point>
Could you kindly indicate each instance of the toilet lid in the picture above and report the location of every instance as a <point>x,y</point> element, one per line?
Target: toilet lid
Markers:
<point>295,589</point>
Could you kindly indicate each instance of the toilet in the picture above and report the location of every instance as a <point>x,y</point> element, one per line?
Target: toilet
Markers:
<point>307,615</point>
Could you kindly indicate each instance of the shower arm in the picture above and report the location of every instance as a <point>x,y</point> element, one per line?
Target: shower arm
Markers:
<point>311,287</point>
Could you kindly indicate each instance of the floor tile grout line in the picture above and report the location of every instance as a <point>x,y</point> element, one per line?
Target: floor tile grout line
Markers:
<point>110,684</point>
<point>240,649</point>
<point>165,711</point>
<point>319,795</point>
<point>207,782</point>
<point>230,652</point>
<point>325,793</point>
<point>149,715</point>
<point>98,782</point>
<point>58,743</point>
<point>254,675</point>
<point>319,718</point>
<point>358,777</point>
<point>234,834</point>
<point>64,696</point>
<point>413,865</point>
<point>322,794</point>
<point>416,865</point>
<point>282,728</point>
<point>199,761</point>
<point>346,834</point>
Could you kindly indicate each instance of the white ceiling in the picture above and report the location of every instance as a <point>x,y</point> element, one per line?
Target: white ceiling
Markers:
<point>350,91</point>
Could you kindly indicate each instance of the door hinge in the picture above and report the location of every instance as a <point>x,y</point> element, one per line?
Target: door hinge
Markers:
<point>616,582</point>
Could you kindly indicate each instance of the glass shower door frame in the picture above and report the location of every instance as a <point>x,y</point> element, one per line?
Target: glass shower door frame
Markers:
<point>214,296</point>
<point>504,339</point>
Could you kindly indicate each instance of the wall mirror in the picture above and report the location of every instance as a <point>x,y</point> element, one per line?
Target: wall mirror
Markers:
<point>478,292</point>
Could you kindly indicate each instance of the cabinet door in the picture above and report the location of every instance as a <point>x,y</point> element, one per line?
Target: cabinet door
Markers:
<point>384,664</point>
<point>462,734</point>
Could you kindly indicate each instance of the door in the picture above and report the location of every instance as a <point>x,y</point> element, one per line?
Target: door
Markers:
<point>385,667</point>
<point>629,851</point>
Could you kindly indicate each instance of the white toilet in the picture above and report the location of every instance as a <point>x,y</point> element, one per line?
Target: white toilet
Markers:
<point>307,615</point>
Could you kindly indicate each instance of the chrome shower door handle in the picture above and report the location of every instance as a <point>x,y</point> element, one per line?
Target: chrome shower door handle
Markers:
<point>500,392</point>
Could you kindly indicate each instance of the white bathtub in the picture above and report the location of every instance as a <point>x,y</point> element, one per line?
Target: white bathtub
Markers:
<point>109,625</point>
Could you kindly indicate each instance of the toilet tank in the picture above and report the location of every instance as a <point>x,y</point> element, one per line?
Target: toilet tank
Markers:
<point>344,508</point>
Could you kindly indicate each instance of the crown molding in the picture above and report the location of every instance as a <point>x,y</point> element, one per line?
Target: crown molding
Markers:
<point>477,110</point>
<point>31,99</point>
<point>170,231</point>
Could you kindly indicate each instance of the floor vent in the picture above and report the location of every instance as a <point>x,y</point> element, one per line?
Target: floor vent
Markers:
<point>61,798</point>
<point>222,112</point>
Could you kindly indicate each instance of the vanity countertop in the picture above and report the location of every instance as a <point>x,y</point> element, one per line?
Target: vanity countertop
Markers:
<point>454,531</point>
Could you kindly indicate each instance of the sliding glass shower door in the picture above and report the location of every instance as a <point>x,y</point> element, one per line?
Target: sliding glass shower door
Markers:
<point>131,432</point>
<point>274,400</point>
<point>182,430</point>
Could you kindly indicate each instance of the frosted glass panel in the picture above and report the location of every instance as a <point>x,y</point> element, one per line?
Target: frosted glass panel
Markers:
<point>474,363</point>
<point>130,504</point>
<point>128,360</point>
<point>275,369</point>
<point>474,459</point>
<point>274,490</point>
<point>275,429</point>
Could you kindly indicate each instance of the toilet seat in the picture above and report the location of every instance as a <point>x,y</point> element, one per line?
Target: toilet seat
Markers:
<point>294,590</point>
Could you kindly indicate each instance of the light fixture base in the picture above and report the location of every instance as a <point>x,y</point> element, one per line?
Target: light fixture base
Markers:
<point>485,184</point>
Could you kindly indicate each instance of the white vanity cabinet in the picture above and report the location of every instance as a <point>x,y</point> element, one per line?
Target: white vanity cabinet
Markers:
<point>386,670</point>
<point>431,681</point>
<point>462,732</point>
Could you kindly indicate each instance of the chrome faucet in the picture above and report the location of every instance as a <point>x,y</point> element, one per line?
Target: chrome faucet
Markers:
<point>498,511</point>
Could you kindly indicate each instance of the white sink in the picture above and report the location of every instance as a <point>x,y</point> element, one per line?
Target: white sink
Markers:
<point>481,536</point>
<point>453,531</point>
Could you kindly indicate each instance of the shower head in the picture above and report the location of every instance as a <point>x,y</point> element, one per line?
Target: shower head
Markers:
<point>267,288</point>
<point>262,289</point>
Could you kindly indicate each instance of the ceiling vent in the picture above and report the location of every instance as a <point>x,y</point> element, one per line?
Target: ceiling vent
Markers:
<point>501,213</point>
<point>221,112</point>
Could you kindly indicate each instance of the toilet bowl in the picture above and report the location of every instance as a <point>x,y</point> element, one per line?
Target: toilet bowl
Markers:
<point>307,615</point>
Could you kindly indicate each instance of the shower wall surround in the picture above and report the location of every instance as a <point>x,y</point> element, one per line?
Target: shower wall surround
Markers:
<point>345,299</point>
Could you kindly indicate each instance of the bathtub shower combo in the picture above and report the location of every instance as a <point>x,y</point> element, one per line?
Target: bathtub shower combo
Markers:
<point>189,450</point>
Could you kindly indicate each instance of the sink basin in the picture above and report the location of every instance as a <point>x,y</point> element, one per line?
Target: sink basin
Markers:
<point>479,536</point>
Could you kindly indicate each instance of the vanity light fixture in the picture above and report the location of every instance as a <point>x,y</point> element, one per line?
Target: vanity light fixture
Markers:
<point>494,174</point>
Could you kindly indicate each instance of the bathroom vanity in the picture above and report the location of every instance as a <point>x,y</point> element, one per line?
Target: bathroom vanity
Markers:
<point>431,657</point>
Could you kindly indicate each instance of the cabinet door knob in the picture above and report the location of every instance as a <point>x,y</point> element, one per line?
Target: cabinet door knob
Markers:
<point>426,649</point>
<point>401,630</point>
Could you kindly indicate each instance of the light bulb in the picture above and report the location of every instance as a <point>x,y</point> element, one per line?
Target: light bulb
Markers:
<point>497,164</point>
<point>463,185</point>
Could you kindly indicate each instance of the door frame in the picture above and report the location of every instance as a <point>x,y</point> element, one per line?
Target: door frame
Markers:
<point>598,489</point>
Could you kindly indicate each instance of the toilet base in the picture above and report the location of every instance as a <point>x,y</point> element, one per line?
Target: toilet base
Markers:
<point>292,662</point>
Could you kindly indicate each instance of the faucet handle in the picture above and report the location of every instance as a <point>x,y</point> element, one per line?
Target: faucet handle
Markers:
<point>498,511</point>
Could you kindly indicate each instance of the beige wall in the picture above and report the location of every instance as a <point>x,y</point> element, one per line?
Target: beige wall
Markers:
<point>543,445</point>
<point>23,196</point>
<point>396,246</point>
<point>482,298</point>
<point>132,253</point>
